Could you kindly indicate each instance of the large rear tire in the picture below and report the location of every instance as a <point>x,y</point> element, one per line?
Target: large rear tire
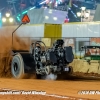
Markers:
<point>17,67</point>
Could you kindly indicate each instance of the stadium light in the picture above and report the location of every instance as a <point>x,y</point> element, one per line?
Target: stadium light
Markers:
<point>7,14</point>
<point>83,14</point>
<point>87,14</point>
<point>3,20</point>
<point>78,14</point>
<point>11,20</point>
<point>83,8</point>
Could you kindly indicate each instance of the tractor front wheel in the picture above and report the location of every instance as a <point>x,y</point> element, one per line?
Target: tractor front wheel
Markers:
<point>17,67</point>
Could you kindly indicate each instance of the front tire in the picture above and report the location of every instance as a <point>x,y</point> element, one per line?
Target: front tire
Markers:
<point>17,67</point>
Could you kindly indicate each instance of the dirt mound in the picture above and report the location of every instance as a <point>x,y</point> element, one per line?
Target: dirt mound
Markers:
<point>5,51</point>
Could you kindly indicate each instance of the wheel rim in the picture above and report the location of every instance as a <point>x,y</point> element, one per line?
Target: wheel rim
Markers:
<point>15,69</point>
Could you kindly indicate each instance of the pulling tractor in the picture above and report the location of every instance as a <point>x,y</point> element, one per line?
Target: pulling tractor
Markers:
<point>41,62</point>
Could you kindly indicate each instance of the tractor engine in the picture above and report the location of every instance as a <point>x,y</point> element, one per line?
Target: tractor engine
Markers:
<point>58,57</point>
<point>40,60</point>
<point>55,59</point>
<point>55,56</point>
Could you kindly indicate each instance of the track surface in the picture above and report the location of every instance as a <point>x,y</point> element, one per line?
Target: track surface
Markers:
<point>66,87</point>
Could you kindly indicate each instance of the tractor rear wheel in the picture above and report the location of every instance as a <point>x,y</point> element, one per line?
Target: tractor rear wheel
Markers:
<point>17,67</point>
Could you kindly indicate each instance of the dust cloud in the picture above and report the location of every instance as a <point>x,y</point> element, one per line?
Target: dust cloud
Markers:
<point>51,76</point>
<point>5,50</point>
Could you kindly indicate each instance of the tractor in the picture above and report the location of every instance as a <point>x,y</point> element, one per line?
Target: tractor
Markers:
<point>41,61</point>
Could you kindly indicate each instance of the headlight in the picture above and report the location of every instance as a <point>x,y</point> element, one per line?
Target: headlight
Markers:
<point>3,19</point>
<point>11,20</point>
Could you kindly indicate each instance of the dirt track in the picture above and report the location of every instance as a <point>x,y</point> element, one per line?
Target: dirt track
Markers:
<point>65,88</point>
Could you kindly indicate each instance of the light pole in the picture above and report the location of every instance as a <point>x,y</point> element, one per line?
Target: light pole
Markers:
<point>83,14</point>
